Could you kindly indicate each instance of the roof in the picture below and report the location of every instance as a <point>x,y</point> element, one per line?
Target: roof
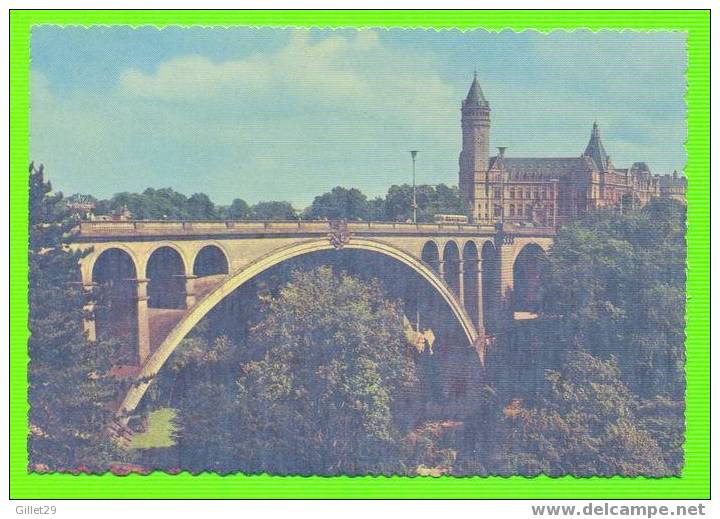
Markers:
<point>475,95</point>
<point>595,149</point>
<point>672,181</point>
<point>544,168</point>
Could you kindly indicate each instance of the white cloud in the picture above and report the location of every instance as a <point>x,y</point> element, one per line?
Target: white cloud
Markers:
<point>354,72</point>
<point>302,67</point>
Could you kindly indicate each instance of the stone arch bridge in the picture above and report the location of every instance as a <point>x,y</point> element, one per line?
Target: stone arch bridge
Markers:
<point>165,276</point>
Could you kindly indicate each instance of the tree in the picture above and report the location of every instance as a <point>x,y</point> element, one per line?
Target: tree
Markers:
<point>612,301</point>
<point>398,201</point>
<point>583,421</point>
<point>273,211</point>
<point>70,389</point>
<point>161,204</point>
<point>319,396</point>
<point>448,200</point>
<point>200,207</point>
<point>376,210</point>
<point>341,202</point>
<point>431,200</point>
<point>238,210</point>
<point>616,286</point>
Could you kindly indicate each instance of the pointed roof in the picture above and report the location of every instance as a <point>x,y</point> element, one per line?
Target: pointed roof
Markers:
<point>475,95</point>
<point>595,149</point>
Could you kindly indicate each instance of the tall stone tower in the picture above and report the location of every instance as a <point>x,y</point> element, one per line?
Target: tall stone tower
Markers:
<point>476,143</point>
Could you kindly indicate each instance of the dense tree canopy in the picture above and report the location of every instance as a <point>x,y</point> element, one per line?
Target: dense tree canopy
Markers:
<point>273,211</point>
<point>349,204</point>
<point>163,204</point>
<point>583,420</point>
<point>238,210</point>
<point>616,286</point>
<point>338,203</point>
<point>69,384</point>
<point>320,396</point>
<point>598,380</point>
<point>167,204</point>
<point>431,200</point>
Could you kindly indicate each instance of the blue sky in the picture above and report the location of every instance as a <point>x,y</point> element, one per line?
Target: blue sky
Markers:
<point>274,114</point>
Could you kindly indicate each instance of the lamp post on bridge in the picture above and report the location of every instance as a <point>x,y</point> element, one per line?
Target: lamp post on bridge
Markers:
<point>413,154</point>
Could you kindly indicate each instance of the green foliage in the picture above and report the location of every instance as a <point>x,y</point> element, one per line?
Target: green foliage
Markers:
<point>158,433</point>
<point>238,210</point>
<point>319,398</point>
<point>431,200</point>
<point>616,286</point>
<point>161,204</point>
<point>584,421</point>
<point>168,204</point>
<point>596,384</point>
<point>273,211</point>
<point>340,203</point>
<point>69,387</point>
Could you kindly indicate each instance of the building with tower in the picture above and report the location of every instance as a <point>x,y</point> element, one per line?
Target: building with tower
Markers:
<point>548,191</point>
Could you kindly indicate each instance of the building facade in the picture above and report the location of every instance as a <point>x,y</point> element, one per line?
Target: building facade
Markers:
<point>547,191</point>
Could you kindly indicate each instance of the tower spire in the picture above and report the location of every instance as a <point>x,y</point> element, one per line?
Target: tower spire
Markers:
<point>475,96</point>
<point>595,149</point>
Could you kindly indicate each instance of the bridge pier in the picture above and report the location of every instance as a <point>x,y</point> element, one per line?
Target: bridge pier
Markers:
<point>480,316</point>
<point>506,258</point>
<point>143,322</point>
<point>461,281</point>
<point>190,293</point>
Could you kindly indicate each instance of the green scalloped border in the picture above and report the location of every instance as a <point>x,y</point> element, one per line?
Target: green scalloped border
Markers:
<point>695,480</point>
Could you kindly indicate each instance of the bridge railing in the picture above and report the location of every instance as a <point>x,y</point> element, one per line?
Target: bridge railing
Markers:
<point>204,227</point>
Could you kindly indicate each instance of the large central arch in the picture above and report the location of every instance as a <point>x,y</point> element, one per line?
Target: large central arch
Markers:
<point>155,362</point>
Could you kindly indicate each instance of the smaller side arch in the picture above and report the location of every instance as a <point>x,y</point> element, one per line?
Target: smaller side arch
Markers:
<point>528,269</point>
<point>187,266</point>
<point>210,260</point>
<point>520,244</point>
<point>87,264</point>
<point>115,273</point>
<point>166,274</point>
<point>430,255</point>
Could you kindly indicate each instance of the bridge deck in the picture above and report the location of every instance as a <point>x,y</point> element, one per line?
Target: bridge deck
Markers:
<point>91,230</point>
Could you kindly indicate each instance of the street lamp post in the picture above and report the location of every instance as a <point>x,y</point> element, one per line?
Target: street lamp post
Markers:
<point>414,153</point>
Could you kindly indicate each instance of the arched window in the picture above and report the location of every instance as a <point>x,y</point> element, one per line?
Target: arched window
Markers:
<point>512,209</point>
